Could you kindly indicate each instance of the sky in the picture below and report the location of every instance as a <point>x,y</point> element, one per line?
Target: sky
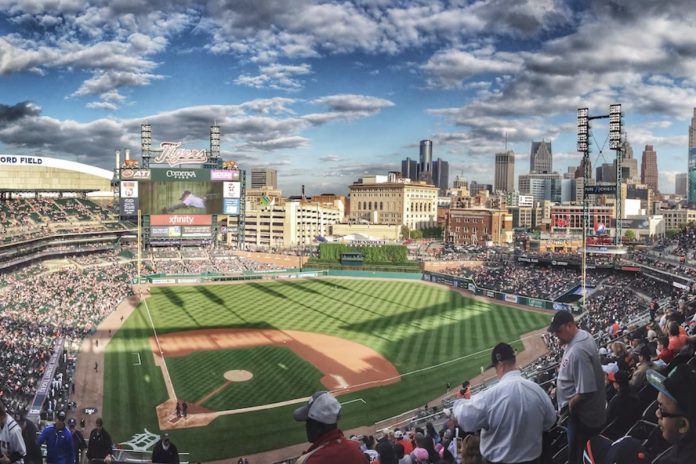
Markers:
<point>328,91</point>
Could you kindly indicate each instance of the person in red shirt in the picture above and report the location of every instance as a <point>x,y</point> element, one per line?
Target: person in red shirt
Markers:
<point>465,391</point>
<point>677,338</point>
<point>663,352</point>
<point>329,445</point>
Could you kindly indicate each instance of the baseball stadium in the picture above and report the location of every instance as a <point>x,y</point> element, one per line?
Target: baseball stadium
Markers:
<point>131,296</point>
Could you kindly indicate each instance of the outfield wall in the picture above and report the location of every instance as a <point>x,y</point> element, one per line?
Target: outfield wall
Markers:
<point>469,284</point>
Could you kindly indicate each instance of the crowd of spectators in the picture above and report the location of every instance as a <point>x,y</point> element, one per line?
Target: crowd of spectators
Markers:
<point>30,218</point>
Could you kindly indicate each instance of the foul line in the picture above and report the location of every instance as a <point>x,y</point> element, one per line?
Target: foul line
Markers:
<point>165,370</point>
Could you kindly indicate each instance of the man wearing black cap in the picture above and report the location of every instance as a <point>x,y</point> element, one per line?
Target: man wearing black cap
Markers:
<point>165,452</point>
<point>59,445</point>
<point>676,413</point>
<point>580,384</point>
<point>79,443</point>
<point>511,415</point>
<point>329,445</point>
<point>100,445</point>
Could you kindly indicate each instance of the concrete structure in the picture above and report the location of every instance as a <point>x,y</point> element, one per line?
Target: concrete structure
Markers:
<point>29,174</point>
<point>676,218</point>
<point>505,171</point>
<point>541,159</point>
<point>264,177</point>
<point>389,200</point>
<point>522,217</point>
<point>681,184</point>
<point>478,226</point>
<point>475,188</point>
<point>648,168</point>
<point>292,223</point>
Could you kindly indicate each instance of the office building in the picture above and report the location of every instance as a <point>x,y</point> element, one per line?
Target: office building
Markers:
<point>426,161</point>
<point>478,226</point>
<point>541,186</point>
<point>541,159</point>
<point>391,200</point>
<point>440,170</point>
<point>264,177</point>
<point>681,186</point>
<point>409,169</point>
<point>648,168</point>
<point>505,171</point>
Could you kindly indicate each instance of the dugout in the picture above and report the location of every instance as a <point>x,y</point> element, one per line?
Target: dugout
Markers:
<point>352,259</point>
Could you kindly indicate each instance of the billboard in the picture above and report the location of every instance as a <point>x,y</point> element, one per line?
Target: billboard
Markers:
<point>230,206</point>
<point>224,174</point>
<point>181,220</point>
<point>231,189</point>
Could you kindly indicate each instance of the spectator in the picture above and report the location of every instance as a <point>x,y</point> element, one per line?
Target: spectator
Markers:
<point>644,363</point>
<point>511,415</point>
<point>624,408</point>
<point>405,442</point>
<point>386,451</point>
<point>12,447</point>
<point>165,451</point>
<point>580,384</point>
<point>401,455</point>
<point>58,440</point>
<point>464,391</point>
<point>677,338</point>
<point>29,433</point>
<point>663,351</point>
<point>329,445</point>
<point>100,445</point>
<point>79,444</point>
<point>676,413</point>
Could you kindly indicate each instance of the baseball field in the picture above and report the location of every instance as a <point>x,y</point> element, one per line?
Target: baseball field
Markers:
<point>244,355</point>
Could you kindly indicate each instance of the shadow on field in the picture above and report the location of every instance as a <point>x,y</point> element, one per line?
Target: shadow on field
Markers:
<point>331,284</point>
<point>217,300</point>
<point>173,297</point>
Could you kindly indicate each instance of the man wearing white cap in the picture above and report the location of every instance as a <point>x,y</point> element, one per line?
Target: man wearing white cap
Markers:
<point>329,445</point>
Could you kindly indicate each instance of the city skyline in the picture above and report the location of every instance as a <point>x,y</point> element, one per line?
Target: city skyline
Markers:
<point>327,92</point>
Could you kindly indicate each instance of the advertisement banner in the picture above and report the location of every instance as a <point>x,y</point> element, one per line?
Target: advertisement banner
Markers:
<point>180,174</point>
<point>45,384</point>
<point>561,307</point>
<point>490,294</point>
<point>231,189</point>
<point>230,206</point>
<point>135,174</point>
<point>511,298</point>
<point>196,231</point>
<point>181,220</point>
<point>472,288</point>
<point>159,231</point>
<point>224,174</point>
<point>533,302</point>
<point>129,189</point>
<point>129,206</point>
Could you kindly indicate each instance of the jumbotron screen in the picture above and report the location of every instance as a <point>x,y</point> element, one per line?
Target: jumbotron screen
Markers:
<point>180,191</point>
<point>181,197</point>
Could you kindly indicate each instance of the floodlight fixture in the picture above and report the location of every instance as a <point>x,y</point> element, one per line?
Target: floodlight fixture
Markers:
<point>583,112</point>
<point>615,109</point>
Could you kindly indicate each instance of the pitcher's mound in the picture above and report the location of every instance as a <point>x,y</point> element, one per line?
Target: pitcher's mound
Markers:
<point>238,376</point>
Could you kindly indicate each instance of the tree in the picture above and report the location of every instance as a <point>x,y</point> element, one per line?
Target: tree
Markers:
<point>630,235</point>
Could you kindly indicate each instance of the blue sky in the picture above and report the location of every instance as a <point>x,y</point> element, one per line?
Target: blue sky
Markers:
<point>327,91</point>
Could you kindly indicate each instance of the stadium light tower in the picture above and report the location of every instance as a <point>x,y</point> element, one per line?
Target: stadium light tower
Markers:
<point>615,143</point>
<point>584,148</point>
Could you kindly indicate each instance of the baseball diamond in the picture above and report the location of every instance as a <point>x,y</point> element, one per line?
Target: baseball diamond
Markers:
<point>390,343</point>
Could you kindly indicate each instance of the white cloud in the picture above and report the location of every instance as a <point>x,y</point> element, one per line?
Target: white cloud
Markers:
<point>276,76</point>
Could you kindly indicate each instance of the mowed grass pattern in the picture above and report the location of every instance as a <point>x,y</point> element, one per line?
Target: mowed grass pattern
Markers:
<point>414,325</point>
<point>278,375</point>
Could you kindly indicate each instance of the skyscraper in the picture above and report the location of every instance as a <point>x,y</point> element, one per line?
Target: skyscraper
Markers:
<point>264,177</point>
<point>409,169</point>
<point>505,171</point>
<point>426,160</point>
<point>681,184</point>
<point>648,168</point>
<point>440,169</point>
<point>692,161</point>
<point>541,159</point>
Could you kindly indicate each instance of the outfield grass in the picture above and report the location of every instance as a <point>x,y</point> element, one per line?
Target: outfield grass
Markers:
<point>412,324</point>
